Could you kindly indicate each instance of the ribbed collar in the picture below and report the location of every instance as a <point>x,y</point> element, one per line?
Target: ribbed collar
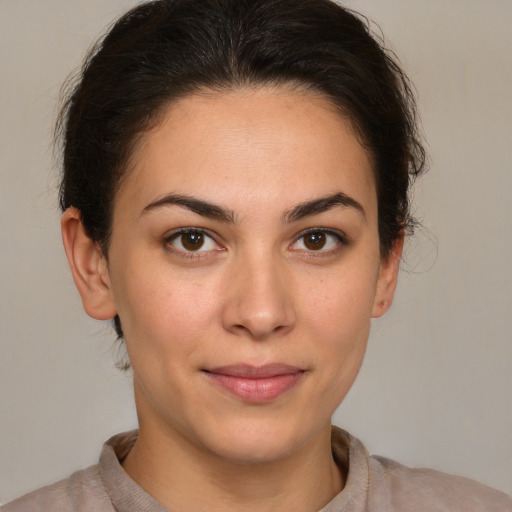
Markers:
<point>126,495</point>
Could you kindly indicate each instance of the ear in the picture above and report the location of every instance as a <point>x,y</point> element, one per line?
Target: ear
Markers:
<point>388,277</point>
<point>88,267</point>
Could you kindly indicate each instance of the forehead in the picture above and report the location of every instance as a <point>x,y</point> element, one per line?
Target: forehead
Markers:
<point>262,143</point>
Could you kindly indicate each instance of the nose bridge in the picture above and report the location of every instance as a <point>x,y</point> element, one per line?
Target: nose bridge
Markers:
<point>259,302</point>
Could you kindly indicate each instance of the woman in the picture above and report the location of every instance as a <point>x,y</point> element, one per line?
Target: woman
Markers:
<point>235,199</point>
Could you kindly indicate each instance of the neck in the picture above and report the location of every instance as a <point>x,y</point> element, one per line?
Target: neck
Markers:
<point>183,477</point>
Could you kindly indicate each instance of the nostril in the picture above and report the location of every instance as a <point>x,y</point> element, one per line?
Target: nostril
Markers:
<point>259,306</point>
<point>258,331</point>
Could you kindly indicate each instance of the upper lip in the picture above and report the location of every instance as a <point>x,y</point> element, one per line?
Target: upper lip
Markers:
<point>255,372</point>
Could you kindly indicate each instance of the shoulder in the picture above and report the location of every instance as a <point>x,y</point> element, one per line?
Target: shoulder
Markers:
<point>434,491</point>
<point>83,490</point>
<point>378,484</point>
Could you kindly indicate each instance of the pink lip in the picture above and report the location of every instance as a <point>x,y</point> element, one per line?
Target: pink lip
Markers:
<point>256,384</point>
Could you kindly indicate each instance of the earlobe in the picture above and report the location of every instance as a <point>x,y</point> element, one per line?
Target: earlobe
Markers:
<point>88,267</point>
<point>387,280</point>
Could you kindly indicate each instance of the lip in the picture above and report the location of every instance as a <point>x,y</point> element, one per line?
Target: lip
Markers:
<point>256,384</point>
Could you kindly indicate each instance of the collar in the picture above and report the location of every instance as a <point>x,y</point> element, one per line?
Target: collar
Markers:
<point>126,495</point>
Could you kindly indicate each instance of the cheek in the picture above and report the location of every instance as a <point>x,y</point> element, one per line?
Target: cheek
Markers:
<point>155,303</point>
<point>340,302</point>
<point>166,333</point>
<point>338,318</point>
<point>161,312</point>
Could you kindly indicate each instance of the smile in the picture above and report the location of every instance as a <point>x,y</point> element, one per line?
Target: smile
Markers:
<point>256,385</point>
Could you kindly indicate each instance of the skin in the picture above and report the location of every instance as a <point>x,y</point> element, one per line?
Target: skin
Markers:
<point>256,292</point>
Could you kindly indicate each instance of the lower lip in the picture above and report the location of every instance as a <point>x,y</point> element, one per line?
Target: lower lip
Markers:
<point>257,390</point>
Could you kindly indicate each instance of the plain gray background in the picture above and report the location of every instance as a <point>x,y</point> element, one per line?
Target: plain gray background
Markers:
<point>436,387</point>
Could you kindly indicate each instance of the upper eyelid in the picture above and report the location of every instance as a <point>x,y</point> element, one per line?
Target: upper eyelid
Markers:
<point>340,235</point>
<point>330,231</point>
<point>174,234</point>
<point>190,229</point>
<point>341,243</point>
<point>171,236</point>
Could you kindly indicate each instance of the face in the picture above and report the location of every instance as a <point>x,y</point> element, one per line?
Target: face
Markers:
<point>244,265</point>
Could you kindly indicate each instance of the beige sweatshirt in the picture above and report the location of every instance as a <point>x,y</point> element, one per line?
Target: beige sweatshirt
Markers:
<point>374,484</point>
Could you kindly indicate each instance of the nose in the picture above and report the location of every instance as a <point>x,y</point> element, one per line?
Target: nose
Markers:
<point>259,299</point>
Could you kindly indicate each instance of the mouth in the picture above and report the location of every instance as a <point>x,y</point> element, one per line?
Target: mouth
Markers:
<point>256,384</point>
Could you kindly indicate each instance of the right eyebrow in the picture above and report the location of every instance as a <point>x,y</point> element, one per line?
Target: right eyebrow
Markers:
<point>203,208</point>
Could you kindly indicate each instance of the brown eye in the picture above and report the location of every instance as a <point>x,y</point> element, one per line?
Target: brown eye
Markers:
<point>315,241</point>
<point>322,241</point>
<point>192,241</point>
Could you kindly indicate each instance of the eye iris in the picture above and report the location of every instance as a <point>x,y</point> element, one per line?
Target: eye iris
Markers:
<point>315,241</point>
<point>192,241</point>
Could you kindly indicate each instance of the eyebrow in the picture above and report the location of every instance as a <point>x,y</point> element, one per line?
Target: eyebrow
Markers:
<point>213,211</point>
<point>321,205</point>
<point>193,204</point>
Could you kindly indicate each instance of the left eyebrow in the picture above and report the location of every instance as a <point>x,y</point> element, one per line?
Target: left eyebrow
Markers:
<point>321,205</point>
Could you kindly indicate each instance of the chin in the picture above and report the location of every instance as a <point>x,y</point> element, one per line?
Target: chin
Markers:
<point>248,442</point>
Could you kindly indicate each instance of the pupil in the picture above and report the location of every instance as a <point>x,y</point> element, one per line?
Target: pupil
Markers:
<point>192,241</point>
<point>315,241</point>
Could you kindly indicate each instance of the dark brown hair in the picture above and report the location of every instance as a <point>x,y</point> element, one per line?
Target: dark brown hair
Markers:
<point>165,49</point>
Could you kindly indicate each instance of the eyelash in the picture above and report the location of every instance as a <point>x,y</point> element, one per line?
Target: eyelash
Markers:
<point>341,241</point>
<point>186,253</point>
